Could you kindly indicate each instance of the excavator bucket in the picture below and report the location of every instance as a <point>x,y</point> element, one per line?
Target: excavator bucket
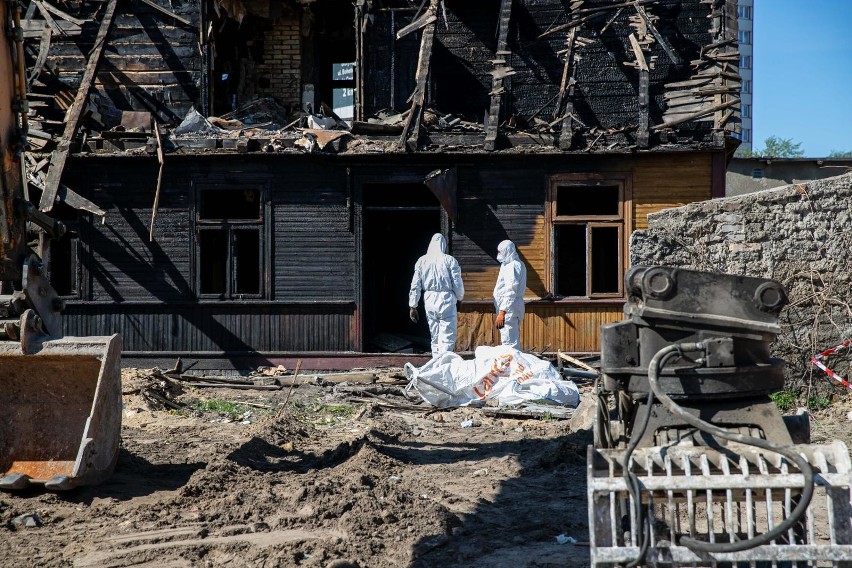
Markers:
<point>60,412</point>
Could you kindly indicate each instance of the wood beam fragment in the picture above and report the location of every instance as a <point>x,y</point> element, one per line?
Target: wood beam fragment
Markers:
<point>658,36</point>
<point>77,201</point>
<point>43,51</point>
<point>565,103</point>
<point>417,24</point>
<point>45,13</point>
<point>637,51</point>
<point>694,116</point>
<point>499,73</point>
<point>72,117</point>
<point>644,101</point>
<point>64,15</point>
<point>167,12</point>
<point>161,160</point>
<point>418,97</point>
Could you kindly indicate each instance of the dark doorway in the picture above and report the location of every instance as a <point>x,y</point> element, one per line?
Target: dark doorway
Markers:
<point>399,221</point>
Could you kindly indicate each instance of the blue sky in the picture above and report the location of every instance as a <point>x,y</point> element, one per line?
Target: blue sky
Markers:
<point>803,73</point>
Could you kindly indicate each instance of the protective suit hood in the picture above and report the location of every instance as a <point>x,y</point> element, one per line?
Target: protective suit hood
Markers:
<point>437,246</point>
<point>506,252</point>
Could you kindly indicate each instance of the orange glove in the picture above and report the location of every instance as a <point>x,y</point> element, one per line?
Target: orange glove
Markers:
<point>500,320</point>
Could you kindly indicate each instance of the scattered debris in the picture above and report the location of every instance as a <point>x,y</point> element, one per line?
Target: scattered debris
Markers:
<point>817,360</point>
<point>26,521</point>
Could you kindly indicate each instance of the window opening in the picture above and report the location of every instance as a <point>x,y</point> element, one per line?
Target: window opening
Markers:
<point>587,219</point>
<point>247,260</point>
<point>230,245</point>
<point>213,261</point>
<point>230,204</point>
<point>63,262</point>
<point>604,200</point>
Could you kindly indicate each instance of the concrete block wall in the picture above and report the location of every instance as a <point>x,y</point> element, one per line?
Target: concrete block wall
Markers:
<point>798,234</point>
<point>282,61</point>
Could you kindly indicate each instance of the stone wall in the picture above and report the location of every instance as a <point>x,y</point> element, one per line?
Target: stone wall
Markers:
<point>799,234</point>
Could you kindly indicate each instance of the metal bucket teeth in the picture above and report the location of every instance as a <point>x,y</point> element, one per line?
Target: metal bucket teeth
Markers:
<point>720,496</point>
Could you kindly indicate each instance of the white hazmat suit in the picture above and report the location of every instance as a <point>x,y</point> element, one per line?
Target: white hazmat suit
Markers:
<point>509,293</point>
<point>438,276</point>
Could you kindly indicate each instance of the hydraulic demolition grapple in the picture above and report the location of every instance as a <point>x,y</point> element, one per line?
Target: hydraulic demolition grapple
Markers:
<point>693,465</point>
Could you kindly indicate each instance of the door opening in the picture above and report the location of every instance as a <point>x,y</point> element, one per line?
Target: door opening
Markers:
<point>399,220</point>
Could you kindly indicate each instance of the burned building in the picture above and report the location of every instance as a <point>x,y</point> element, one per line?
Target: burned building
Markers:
<point>255,178</point>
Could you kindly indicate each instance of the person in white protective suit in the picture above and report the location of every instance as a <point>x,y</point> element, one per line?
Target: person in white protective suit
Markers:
<point>438,276</point>
<point>509,294</point>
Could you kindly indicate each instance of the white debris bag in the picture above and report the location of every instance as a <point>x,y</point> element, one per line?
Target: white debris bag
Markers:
<point>502,373</point>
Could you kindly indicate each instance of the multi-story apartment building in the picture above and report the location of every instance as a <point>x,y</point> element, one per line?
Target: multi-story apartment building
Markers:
<point>745,21</point>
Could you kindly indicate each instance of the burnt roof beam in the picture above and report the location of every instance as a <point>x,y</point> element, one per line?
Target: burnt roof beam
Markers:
<point>644,95</point>
<point>658,36</point>
<point>500,72</point>
<point>72,117</point>
<point>565,103</point>
<point>411,131</point>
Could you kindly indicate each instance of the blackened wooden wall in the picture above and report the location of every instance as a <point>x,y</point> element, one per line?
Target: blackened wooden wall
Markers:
<point>147,291</point>
<point>151,61</point>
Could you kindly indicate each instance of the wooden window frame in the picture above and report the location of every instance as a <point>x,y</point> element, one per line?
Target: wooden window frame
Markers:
<point>623,220</point>
<point>230,226</point>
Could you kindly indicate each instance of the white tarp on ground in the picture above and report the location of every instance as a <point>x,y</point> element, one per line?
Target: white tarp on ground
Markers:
<point>502,373</point>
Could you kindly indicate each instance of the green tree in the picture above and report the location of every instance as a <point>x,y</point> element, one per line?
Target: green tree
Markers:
<point>840,154</point>
<point>775,147</point>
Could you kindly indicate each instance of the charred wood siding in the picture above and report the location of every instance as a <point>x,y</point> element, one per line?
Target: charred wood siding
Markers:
<point>151,62</point>
<point>496,203</point>
<point>216,328</point>
<point>314,243</point>
<point>119,262</point>
<point>146,290</point>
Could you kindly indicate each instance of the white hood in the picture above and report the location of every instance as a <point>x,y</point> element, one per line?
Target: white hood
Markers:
<point>506,252</point>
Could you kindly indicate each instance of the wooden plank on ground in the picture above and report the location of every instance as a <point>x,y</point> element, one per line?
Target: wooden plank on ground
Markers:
<point>72,117</point>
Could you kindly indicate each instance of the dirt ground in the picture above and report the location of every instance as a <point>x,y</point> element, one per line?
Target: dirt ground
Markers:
<point>329,479</point>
